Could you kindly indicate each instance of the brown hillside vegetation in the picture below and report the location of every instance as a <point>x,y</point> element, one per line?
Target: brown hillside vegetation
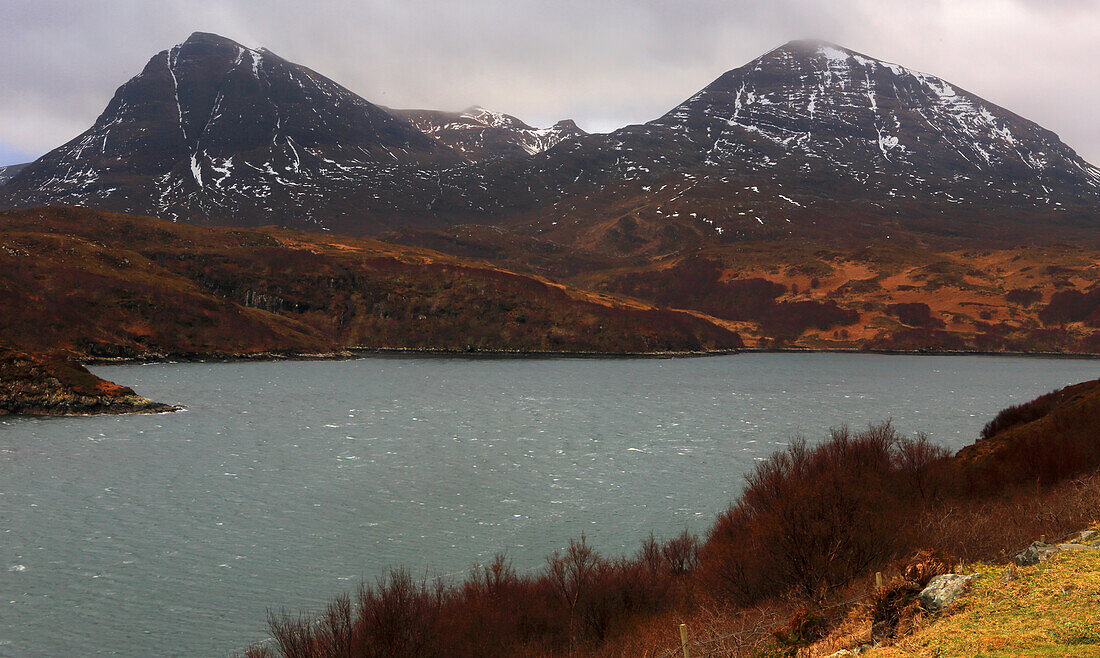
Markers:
<point>881,296</point>
<point>102,284</point>
<point>787,570</point>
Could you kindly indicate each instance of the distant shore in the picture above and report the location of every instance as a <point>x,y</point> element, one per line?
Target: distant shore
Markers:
<point>359,352</point>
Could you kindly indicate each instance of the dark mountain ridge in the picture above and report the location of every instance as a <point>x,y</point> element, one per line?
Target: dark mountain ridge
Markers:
<point>481,134</point>
<point>9,171</point>
<point>808,140</point>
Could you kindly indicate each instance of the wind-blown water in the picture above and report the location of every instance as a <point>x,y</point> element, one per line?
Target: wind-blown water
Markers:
<point>283,483</point>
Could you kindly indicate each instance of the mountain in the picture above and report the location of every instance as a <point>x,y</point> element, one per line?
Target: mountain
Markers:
<point>211,131</point>
<point>808,141</point>
<point>816,105</point>
<point>480,134</point>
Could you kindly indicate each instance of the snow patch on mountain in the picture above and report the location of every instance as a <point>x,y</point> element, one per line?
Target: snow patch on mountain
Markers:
<point>481,134</point>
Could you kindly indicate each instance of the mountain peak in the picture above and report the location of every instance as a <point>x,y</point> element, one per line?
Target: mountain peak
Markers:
<point>801,50</point>
<point>811,101</point>
<point>209,38</point>
<point>809,45</point>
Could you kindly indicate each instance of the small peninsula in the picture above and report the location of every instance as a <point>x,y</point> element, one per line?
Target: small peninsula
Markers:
<point>55,386</point>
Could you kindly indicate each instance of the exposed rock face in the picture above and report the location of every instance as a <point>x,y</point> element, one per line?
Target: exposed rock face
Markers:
<point>36,385</point>
<point>480,134</point>
<point>943,590</point>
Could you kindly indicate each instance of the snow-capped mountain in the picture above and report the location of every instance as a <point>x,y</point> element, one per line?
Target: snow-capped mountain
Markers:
<point>810,139</point>
<point>874,121</point>
<point>213,131</point>
<point>481,134</point>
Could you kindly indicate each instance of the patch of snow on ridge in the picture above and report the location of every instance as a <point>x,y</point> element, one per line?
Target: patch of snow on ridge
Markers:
<point>834,54</point>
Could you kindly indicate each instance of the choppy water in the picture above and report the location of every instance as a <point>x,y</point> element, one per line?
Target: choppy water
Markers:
<point>285,482</point>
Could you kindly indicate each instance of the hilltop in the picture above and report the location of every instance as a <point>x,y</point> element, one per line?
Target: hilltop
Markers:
<point>109,285</point>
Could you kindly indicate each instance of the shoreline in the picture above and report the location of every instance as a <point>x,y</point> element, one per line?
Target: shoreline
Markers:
<point>351,353</point>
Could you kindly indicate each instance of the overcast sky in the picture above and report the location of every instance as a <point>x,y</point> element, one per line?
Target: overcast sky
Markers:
<point>603,63</point>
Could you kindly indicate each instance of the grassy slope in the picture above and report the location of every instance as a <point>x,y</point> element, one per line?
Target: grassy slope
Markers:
<point>977,299</point>
<point>1051,609</point>
<point>1052,437</point>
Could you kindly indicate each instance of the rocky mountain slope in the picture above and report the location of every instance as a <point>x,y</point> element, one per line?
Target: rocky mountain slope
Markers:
<point>480,134</point>
<point>894,131</point>
<point>9,172</point>
<point>808,140</point>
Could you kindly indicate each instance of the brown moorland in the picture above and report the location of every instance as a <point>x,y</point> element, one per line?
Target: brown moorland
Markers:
<point>100,284</point>
<point>78,284</point>
<point>881,296</point>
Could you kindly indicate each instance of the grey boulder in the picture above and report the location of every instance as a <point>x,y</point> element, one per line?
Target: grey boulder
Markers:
<point>942,590</point>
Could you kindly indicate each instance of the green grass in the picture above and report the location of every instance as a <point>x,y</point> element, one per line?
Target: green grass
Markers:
<point>1051,609</point>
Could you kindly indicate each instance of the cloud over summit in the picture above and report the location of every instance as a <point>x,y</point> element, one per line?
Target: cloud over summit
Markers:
<point>604,64</point>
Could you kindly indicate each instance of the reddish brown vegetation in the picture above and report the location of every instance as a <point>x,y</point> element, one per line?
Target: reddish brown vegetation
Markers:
<point>1072,306</point>
<point>35,384</point>
<point>102,284</point>
<point>1024,296</point>
<point>1044,441</point>
<point>697,284</point>
<point>578,601</point>
<point>812,518</point>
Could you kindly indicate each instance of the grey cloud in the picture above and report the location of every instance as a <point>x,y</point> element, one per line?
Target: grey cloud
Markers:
<point>605,64</point>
